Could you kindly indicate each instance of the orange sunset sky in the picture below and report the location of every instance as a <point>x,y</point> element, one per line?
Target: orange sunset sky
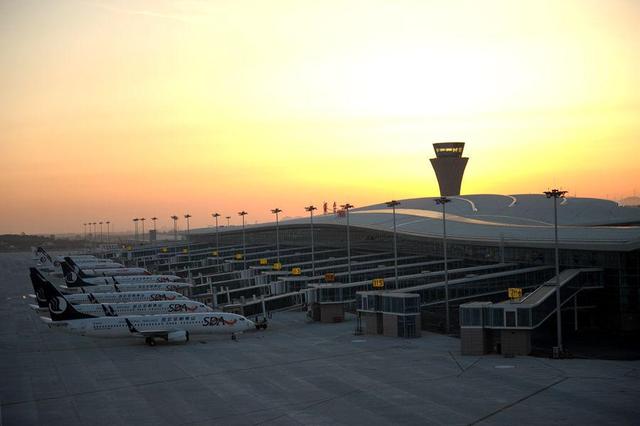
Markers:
<point>111,110</point>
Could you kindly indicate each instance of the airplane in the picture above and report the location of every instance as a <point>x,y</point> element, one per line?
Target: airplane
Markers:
<point>74,280</point>
<point>38,281</point>
<point>120,309</point>
<point>111,288</point>
<point>85,261</point>
<point>71,268</point>
<point>169,327</point>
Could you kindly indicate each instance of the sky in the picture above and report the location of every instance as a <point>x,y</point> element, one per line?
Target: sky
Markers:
<point>111,110</point>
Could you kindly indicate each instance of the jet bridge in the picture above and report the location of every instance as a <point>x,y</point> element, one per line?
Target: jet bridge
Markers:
<point>507,326</point>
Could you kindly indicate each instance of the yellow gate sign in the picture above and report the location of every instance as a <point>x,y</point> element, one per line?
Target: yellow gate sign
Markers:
<point>264,262</point>
<point>329,277</point>
<point>129,248</point>
<point>238,256</point>
<point>515,293</point>
<point>214,253</point>
<point>296,271</point>
<point>378,283</point>
<point>164,250</point>
<point>277,266</point>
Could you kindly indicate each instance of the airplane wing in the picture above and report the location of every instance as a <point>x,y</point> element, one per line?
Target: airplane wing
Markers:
<point>147,333</point>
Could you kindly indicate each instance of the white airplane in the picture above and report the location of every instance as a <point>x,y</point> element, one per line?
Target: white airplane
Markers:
<point>170,327</point>
<point>120,309</point>
<point>38,281</point>
<point>69,267</point>
<point>85,261</point>
<point>74,280</point>
<point>115,288</point>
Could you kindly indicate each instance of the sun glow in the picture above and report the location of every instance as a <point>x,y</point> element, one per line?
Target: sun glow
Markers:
<point>141,108</point>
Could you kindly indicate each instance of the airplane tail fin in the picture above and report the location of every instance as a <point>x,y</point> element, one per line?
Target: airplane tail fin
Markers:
<point>43,257</point>
<point>37,280</point>
<point>59,308</point>
<point>72,273</point>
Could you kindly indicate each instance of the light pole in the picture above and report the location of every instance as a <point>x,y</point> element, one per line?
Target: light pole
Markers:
<point>346,207</point>
<point>187,216</point>
<point>393,204</point>
<point>216,215</point>
<point>108,222</point>
<point>85,230</point>
<point>443,201</point>
<point>135,222</point>
<point>142,219</point>
<point>228,221</point>
<point>555,194</point>
<point>310,209</point>
<point>95,230</point>
<point>155,230</point>
<point>244,241</point>
<point>175,227</point>
<point>100,231</point>
<point>276,211</point>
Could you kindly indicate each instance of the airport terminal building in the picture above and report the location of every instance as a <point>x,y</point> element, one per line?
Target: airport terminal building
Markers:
<point>515,231</point>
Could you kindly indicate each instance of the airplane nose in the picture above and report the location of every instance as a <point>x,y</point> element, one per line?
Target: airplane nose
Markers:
<point>250,325</point>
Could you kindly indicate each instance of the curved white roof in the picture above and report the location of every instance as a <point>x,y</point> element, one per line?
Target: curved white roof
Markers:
<point>525,218</point>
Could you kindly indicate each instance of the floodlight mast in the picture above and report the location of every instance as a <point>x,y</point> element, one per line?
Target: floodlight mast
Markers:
<point>277,211</point>
<point>100,231</point>
<point>443,201</point>
<point>228,221</point>
<point>393,204</point>
<point>310,209</point>
<point>108,223</point>
<point>187,216</point>
<point>142,219</point>
<point>555,194</point>
<point>175,227</point>
<point>135,222</point>
<point>244,241</point>
<point>346,208</point>
<point>216,216</point>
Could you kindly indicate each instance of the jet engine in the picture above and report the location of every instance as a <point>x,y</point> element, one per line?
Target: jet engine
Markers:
<point>178,336</point>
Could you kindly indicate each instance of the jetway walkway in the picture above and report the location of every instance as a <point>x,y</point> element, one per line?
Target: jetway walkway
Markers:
<point>535,308</point>
<point>411,283</point>
<point>507,327</point>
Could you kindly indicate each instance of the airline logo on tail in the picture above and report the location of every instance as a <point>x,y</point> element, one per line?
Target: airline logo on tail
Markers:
<point>57,305</point>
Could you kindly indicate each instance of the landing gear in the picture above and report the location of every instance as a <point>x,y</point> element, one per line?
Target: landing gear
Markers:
<point>150,341</point>
<point>186,336</point>
<point>234,337</point>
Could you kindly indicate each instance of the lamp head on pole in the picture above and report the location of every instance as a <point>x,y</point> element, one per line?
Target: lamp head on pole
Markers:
<point>442,200</point>
<point>392,203</point>
<point>311,208</point>
<point>174,217</point>
<point>276,211</point>
<point>215,215</point>
<point>187,216</point>
<point>242,213</point>
<point>555,193</point>
<point>347,206</point>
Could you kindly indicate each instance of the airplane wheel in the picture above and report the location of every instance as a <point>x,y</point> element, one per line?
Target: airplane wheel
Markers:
<point>264,326</point>
<point>150,341</point>
<point>187,336</point>
<point>234,337</point>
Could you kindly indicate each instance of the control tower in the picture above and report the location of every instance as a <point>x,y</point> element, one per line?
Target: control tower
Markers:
<point>449,166</point>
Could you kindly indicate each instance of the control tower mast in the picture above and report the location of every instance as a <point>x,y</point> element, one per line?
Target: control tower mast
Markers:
<point>449,166</point>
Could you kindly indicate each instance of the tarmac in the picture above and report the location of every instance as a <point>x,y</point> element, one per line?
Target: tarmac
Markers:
<point>293,373</point>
